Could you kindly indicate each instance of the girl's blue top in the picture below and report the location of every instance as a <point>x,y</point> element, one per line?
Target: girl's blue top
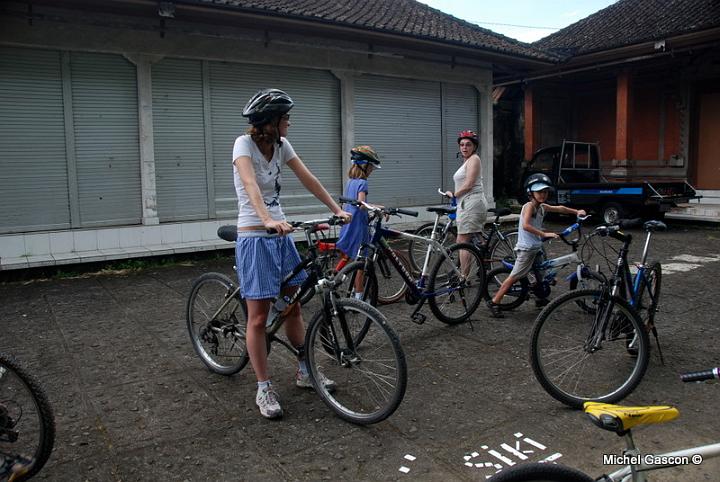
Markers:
<point>357,232</point>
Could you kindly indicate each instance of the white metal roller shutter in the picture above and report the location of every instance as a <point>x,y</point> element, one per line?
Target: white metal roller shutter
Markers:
<point>314,131</point>
<point>401,119</point>
<point>105,117</point>
<point>461,113</point>
<point>33,167</point>
<point>179,138</point>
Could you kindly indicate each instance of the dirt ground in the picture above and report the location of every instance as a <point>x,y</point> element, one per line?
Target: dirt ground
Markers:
<point>133,402</point>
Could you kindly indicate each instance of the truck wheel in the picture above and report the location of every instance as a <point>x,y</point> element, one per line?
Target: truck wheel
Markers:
<point>612,213</point>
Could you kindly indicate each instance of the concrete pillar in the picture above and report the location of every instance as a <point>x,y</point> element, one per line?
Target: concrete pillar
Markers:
<point>529,128</point>
<point>143,64</point>
<point>622,116</point>
<point>347,117</point>
<point>485,114</point>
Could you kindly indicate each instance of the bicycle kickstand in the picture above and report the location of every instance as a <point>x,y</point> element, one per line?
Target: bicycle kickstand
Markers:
<point>657,342</point>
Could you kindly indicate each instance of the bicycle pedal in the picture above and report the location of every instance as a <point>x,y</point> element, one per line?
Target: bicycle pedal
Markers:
<point>418,318</point>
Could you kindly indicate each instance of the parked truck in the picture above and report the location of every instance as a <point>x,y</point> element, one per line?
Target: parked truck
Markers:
<point>574,167</point>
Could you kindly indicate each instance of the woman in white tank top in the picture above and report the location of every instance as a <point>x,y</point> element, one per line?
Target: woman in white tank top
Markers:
<point>472,205</point>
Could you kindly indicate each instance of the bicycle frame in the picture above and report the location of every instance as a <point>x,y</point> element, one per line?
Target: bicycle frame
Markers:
<point>636,472</point>
<point>417,287</point>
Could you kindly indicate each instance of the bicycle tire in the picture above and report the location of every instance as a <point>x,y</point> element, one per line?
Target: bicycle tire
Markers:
<point>370,284</point>
<point>503,250</point>
<point>537,472</point>
<point>391,286</point>
<point>469,291</point>
<point>590,281</point>
<point>518,293</point>
<point>385,373</point>
<point>558,341</point>
<point>226,352</point>
<point>416,250</point>
<point>19,390</point>
<point>649,293</point>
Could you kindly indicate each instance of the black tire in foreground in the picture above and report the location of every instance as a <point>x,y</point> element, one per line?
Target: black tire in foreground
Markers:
<point>564,360</point>
<point>371,376</point>
<point>27,422</point>
<point>537,472</point>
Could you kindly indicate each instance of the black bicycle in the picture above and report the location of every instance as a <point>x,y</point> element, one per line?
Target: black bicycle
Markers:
<point>27,423</point>
<point>347,340</point>
<point>453,286</point>
<point>592,344</point>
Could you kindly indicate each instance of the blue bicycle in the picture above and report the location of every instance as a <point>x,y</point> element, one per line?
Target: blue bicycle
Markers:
<point>593,344</point>
<point>543,276</point>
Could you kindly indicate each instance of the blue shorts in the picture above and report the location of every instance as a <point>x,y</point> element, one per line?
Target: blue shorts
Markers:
<point>262,264</point>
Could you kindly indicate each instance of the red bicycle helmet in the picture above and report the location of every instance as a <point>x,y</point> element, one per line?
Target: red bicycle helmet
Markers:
<point>468,134</point>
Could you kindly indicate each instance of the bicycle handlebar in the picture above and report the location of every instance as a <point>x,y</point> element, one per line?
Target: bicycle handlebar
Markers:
<point>377,209</point>
<point>312,224</point>
<point>701,375</point>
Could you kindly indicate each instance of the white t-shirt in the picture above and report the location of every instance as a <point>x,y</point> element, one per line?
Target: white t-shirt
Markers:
<point>268,176</point>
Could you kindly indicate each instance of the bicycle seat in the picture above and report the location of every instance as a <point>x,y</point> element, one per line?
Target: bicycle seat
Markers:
<point>227,232</point>
<point>442,210</point>
<point>500,211</point>
<point>655,226</point>
<point>620,419</point>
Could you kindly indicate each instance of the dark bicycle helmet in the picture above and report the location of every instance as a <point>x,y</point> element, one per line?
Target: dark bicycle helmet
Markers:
<point>538,182</point>
<point>362,155</point>
<point>468,134</point>
<point>267,104</point>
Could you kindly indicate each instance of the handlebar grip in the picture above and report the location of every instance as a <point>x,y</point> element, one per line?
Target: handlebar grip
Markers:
<point>407,212</point>
<point>629,223</point>
<point>701,375</point>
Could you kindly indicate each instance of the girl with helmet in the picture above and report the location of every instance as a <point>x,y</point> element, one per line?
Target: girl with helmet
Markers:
<point>364,160</point>
<point>263,259</point>
<point>469,193</point>
<point>530,235</point>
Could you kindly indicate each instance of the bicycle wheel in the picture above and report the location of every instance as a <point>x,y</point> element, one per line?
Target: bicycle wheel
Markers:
<point>649,293</point>
<point>503,249</point>
<point>371,376</point>
<point>562,354</point>
<point>27,423</point>
<point>218,335</point>
<point>370,283</point>
<point>417,249</point>
<point>516,295</point>
<point>391,286</point>
<point>458,282</point>
<point>329,259</point>
<point>537,472</point>
<point>590,281</point>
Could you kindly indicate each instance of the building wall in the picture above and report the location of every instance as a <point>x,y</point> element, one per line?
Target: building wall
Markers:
<point>184,125</point>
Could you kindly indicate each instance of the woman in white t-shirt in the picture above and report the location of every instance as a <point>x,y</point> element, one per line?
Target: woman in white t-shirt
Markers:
<point>263,259</point>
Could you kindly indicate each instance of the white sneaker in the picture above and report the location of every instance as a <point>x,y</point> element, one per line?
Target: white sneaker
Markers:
<point>303,381</point>
<point>268,402</point>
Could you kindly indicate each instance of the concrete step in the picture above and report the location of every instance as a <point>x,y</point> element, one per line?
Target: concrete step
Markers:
<point>695,212</point>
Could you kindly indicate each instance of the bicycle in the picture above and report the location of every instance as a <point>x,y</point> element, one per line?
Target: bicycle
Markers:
<point>348,340</point>
<point>451,280</point>
<point>27,423</point>
<point>494,244</point>
<point>621,420</point>
<point>592,344</point>
<point>544,273</point>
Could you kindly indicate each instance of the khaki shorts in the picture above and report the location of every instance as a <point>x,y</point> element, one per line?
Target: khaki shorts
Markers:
<point>524,260</point>
<point>471,213</point>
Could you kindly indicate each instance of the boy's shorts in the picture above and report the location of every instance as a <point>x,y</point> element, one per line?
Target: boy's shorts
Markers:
<point>524,260</point>
<point>262,264</point>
